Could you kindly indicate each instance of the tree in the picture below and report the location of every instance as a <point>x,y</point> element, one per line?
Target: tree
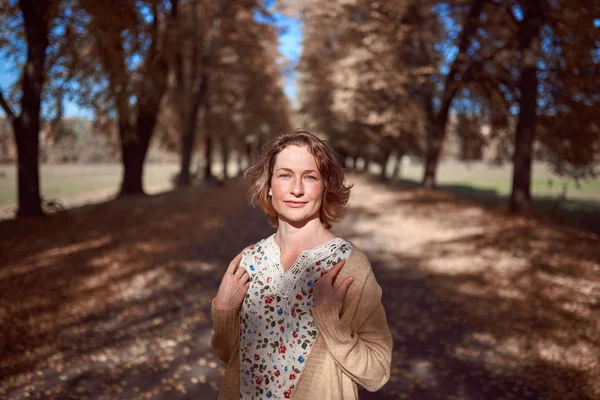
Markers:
<point>227,87</point>
<point>130,41</point>
<point>559,91</point>
<point>452,83</point>
<point>365,76</point>
<point>529,49</point>
<point>37,23</point>
<point>192,72</point>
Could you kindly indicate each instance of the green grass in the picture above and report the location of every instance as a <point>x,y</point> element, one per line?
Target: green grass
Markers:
<point>499,179</point>
<point>70,183</point>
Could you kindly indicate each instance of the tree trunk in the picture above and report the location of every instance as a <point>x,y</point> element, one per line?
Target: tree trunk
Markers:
<point>134,137</point>
<point>133,169</point>
<point>238,162</point>
<point>343,156</point>
<point>208,172</point>
<point>387,153</point>
<point>225,156</point>
<point>134,149</point>
<point>355,162</point>
<point>435,139</point>
<point>187,149</point>
<point>27,139</point>
<point>26,127</point>
<point>259,145</point>
<point>437,133</point>
<point>397,171</point>
<point>394,168</point>
<point>181,101</point>
<point>520,198</point>
<point>198,95</point>
<point>188,139</point>
<point>248,148</point>
<point>367,164</point>
<point>188,136</point>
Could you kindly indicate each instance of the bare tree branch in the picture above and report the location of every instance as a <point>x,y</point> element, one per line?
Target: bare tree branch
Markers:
<point>6,107</point>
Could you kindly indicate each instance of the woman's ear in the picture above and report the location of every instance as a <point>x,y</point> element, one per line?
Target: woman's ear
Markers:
<point>270,192</point>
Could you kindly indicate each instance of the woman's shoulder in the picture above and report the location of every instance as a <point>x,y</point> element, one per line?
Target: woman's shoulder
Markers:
<point>256,251</point>
<point>357,263</point>
<point>365,287</point>
<point>257,246</point>
<point>355,253</point>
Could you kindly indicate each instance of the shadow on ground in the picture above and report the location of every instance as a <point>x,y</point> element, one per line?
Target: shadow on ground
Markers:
<point>582,214</point>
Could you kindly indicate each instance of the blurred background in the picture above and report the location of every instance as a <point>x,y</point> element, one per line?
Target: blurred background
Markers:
<point>470,128</point>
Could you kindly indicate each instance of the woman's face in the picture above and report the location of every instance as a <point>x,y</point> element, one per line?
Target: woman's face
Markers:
<point>296,185</point>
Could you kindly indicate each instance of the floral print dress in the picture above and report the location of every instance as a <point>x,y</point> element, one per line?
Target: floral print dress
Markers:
<point>277,330</point>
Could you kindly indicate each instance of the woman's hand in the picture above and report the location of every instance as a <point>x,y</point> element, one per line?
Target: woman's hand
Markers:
<point>325,293</point>
<point>233,287</point>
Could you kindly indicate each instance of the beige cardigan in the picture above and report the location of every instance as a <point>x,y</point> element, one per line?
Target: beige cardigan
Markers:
<point>353,344</point>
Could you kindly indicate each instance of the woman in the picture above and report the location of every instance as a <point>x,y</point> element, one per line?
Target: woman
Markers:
<point>299,314</point>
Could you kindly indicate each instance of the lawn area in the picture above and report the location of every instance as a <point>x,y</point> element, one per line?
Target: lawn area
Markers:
<point>73,184</point>
<point>486,177</point>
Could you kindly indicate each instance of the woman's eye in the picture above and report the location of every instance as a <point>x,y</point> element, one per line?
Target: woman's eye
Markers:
<point>284,175</point>
<point>311,178</point>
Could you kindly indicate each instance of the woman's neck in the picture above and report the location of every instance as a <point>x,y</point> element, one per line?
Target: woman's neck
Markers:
<point>292,238</point>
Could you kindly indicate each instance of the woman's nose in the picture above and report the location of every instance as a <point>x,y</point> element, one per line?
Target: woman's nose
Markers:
<point>297,188</point>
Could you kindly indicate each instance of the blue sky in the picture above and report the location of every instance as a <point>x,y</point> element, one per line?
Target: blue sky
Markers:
<point>290,46</point>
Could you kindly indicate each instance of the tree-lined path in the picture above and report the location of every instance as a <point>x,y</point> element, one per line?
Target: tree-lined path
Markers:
<point>112,301</point>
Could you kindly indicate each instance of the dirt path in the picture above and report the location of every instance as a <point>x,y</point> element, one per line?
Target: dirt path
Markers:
<point>111,301</point>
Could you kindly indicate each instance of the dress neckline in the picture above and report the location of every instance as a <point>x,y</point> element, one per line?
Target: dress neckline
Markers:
<point>330,244</point>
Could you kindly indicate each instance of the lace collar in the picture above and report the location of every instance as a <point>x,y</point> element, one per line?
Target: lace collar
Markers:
<point>314,254</point>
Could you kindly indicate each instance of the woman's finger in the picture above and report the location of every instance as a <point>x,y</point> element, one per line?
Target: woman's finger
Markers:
<point>244,278</point>
<point>345,285</point>
<point>233,264</point>
<point>239,272</point>
<point>333,271</point>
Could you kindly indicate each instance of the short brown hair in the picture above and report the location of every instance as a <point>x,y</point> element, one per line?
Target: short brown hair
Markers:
<point>335,192</point>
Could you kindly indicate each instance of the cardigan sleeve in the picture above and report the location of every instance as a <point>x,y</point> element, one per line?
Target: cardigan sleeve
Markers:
<point>226,326</point>
<point>226,331</point>
<point>364,354</point>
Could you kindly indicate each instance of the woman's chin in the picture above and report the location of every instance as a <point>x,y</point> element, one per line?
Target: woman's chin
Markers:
<point>296,220</point>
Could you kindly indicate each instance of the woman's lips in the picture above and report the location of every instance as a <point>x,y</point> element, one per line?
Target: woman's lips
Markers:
<point>295,204</point>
